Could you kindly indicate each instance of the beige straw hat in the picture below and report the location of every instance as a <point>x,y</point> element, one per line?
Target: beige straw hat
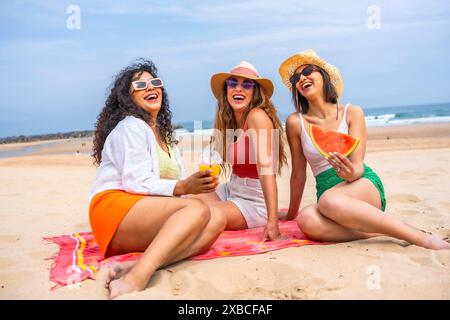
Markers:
<point>243,69</point>
<point>309,56</point>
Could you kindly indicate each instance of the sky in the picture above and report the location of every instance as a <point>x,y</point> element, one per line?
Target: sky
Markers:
<point>55,72</point>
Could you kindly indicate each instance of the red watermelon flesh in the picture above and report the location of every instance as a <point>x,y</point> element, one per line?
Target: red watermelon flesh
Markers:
<point>332,141</point>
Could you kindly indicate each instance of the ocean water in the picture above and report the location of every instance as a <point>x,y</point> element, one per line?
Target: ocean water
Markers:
<point>404,115</point>
<point>24,150</point>
<point>375,117</point>
<point>378,117</point>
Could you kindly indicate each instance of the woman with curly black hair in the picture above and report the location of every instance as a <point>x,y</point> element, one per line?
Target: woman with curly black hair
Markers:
<point>134,203</point>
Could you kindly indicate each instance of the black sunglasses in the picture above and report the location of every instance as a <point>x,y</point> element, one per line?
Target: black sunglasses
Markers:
<point>305,72</point>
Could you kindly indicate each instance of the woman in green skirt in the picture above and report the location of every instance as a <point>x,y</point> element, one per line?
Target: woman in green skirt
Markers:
<point>350,195</point>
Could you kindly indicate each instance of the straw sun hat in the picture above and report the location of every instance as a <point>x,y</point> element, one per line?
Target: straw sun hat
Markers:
<point>243,69</point>
<point>309,56</point>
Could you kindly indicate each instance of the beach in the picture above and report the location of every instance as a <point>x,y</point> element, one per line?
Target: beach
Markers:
<point>45,193</point>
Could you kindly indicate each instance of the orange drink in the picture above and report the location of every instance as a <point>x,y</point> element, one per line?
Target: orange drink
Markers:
<point>215,168</point>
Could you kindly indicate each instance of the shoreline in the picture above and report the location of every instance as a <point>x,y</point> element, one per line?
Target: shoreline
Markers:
<point>38,140</point>
<point>400,137</point>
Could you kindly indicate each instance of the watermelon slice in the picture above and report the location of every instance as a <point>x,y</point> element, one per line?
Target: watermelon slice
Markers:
<point>332,141</point>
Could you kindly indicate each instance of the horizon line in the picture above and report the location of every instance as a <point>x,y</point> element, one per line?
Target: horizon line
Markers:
<point>178,123</point>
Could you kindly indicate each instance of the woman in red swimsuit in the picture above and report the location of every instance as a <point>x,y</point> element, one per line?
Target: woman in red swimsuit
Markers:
<point>246,113</point>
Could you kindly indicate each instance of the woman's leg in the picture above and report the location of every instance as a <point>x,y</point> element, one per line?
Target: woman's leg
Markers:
<point>233,216</point>
<point>318,227</point>
<point>207,237</point>
<point>162,227</point>
<point>357,206</point>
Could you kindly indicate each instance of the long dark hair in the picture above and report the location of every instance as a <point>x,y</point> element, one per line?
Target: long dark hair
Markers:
<point>329,92</point>
<point>119,105</point>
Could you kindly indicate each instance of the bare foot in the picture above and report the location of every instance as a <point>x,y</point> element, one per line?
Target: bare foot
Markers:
<point>126,284</point>
<point>117,271</point>
<point>436,243</point>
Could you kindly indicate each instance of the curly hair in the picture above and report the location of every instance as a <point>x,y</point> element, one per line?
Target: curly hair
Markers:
<point>119,105</point>
<point>225,119</point>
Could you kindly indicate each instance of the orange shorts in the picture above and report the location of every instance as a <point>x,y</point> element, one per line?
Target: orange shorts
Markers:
<point>106,211</point>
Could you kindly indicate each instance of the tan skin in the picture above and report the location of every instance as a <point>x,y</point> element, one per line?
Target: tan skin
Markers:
<point>166,229</point>
<point>257,120</point>
<point>352,209</point>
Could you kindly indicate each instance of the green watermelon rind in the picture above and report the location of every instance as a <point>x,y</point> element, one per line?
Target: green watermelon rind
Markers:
<point>355,144</point>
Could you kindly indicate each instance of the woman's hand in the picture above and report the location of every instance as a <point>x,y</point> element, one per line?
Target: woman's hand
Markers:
<point>199,182</point>
<point>287,215</point>
<point>343,166</point>
<point>271,232</point>
<point>291,216</point>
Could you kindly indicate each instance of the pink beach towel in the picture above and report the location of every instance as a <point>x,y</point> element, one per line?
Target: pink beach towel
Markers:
<point>79,257</point>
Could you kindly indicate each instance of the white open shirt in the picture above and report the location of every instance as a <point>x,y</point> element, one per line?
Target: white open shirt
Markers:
<point>130,161</point>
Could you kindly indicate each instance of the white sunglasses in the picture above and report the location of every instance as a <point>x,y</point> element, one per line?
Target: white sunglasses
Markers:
<point>143,84</point>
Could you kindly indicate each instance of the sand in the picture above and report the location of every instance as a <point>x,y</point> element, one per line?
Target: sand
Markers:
<point>45,193</point>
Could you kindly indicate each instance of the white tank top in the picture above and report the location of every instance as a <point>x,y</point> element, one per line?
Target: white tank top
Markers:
<point>315,159</point>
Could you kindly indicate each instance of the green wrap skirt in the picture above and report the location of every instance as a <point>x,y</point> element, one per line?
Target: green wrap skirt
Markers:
<point>329,178</point>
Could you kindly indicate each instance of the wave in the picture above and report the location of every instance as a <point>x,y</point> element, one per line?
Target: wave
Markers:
<point>393,118</point>
<point>381,117</point>
<point>399,122</point>
<point>379,120</point>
